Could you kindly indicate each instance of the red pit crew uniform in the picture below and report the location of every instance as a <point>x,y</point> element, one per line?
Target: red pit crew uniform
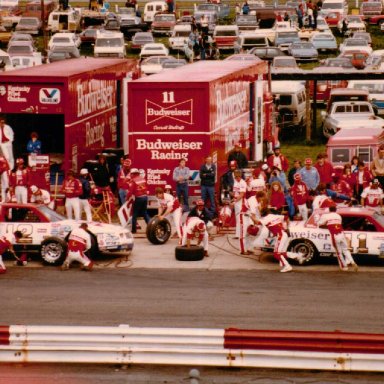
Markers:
<point>72,189</point>
<point>255,185</point>
<point>373,197</point>
<point>43,198</point>
<point>189,232</point>
<point>246,240</point>
<point>333,222</point>
<point>19,180</point>
<point>240,205</point>
<point>79,241</point>
<point>300,195</point>
<point>4,177</point>
<point>5,243</point>
<point>171,205</point>
<point>275,224</point>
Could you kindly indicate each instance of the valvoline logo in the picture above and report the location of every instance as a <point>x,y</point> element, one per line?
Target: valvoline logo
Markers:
<point>49,96</point>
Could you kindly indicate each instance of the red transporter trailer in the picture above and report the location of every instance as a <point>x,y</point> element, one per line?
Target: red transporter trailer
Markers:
<point>195,110</point>
<point>74,106</point>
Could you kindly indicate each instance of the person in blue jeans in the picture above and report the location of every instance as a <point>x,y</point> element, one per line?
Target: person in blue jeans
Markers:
<point>181,177</point>
<point>207,183</point>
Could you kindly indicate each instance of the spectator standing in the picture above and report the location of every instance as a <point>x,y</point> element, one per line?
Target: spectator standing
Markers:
<point>362,179</point>
<point>171,6</point>
<point>245,8</point>
<point>332,220</point>
<point>79,241</point>
<point>6,142</point>
<point>207,183</point>
<point>86,194</point>
<point>34,144</point>
<point>41,196</point>
<point>310,175</point>
<point>180,177</point>
<point>72,189</point>
<point>291,174</point>
<point>123,180</point>
<point>101,173</point>
<point>300,195</point>
<point>355,164</point>
<point>19,181</point>
<point>239,199</point>
<point>278,160</point>
<point>238,156</point>
<point>228,179</point>
<point>325,170</point>
<point>276,198</point>
<point>377,165</point>
<point>138,189</point>
<point>4,177</point>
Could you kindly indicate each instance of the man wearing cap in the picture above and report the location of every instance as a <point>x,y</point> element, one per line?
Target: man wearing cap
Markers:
<point>333,221</point>
<point>195,228</point>
<point>180,177</point>
<point>123,180</point>
<point>300,195</point>
<point>6,142</point>
<point>72,189</point>
<point>79,241</point>
<point>19,181</point>
<point>138,189</point>
<point>326,197</point>
<point>372,195</point>
<point>278,160</point>
<point>4,177</point>
<point>169,206</point>
<point>86,194</point>
<point>309,175</point>
<point>200,211</point>
<point>237,155</point>
<point>291,173</point>
<point>377,165</point>
<point>41,196</point>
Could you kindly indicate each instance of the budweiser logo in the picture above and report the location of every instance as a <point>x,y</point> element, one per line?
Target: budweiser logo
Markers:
<point>181,112</point>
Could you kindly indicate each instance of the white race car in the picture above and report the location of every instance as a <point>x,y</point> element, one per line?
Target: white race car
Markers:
<point>363,229</point>
<point>45,230</point>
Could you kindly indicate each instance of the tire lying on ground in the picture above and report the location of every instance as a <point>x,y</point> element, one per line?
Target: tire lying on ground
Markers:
<point>53,250</point>
<point>193,253</point>
<point>158,231</point>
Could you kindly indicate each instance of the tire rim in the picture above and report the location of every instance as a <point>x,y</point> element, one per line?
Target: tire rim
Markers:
<point>51,252</point>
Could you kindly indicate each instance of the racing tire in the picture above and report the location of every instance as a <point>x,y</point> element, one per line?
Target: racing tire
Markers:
<point>307,248</point>
<point>158,231</point>
<point>193,253</point>
<point>53,251</point>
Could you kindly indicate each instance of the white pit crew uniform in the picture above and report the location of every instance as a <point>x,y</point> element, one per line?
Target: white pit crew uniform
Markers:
<point>189,232</point>
<point>79,241</point>
<point>171,203</point>
<point>239,205</point>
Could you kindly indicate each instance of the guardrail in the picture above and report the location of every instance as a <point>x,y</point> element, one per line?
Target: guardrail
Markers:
<point>187,346</point>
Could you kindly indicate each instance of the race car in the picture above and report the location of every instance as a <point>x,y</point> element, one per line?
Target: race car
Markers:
<point>363,229</point>
<point>45,230</point>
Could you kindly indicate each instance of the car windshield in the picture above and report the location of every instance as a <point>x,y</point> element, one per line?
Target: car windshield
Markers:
<point>379,218</point>
<point>145,38</point>
<point>20,49</point>
<point>353,19</point>
<point>285,62</point>
<point>206,7</point>
<point>332,5</point>
<point>51,215</point>
<point>356,43</point>
<point>110,42</point>
<point>323,37</point>
<point>182,34</point>
<point>339,63</point>
<point>61,40</point>
<point>226,33</point>
<point>28,21</point>
<point>165,18</point>
<point>302,46</point>
<point>286,35</point>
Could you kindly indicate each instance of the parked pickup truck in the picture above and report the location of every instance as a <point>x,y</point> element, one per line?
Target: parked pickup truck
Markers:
<point>350,115</point>
<point>220,10</point>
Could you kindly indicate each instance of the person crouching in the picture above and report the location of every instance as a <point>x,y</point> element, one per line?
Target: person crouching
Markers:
<point>195,228</point>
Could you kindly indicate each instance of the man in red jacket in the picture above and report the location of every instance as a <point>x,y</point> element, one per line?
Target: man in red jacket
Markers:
<point>300,195</point>
<point>325,170</point>
<point>138,189</point>
<point>72,189</point>
<point>278,160</point>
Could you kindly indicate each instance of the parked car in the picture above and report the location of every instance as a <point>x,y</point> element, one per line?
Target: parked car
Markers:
<point>18,48</point>
<point>336,62</point>
<point>179,37</point>
<point>357,58</point>
<point>130,22</point>
<point>19,62</point>
<point>153,49</point>
<point>267,53</point>
<point>62,53</point>
<point>303,51</point>
<point>88,36</point>
<point>285,38</point>
<point>363,35</point>
<point>45,231</point>
<point>109,44</point>
<point>173,63</point>
<point>63,38</point>
<point>153,64</point>
<point>140,39</point>
<point>351,44</point>
<point>322,24</point>
<point>249,40</point>
<point>22,37</point>
<point>332,19</point>
<point>324,41</point>
<point>354,23</point>
<point>163,23</point>
<point>31,25</point>
<point>246,23</point>
<point>284,63</point>
<point>225,36</point>
<point>243,57</point>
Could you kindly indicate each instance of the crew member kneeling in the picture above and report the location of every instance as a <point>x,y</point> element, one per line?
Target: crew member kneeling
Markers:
<point>195,228</point>
<point>79,241</point>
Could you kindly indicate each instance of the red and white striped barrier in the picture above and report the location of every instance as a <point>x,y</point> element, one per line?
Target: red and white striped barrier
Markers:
<point>186,346</point>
